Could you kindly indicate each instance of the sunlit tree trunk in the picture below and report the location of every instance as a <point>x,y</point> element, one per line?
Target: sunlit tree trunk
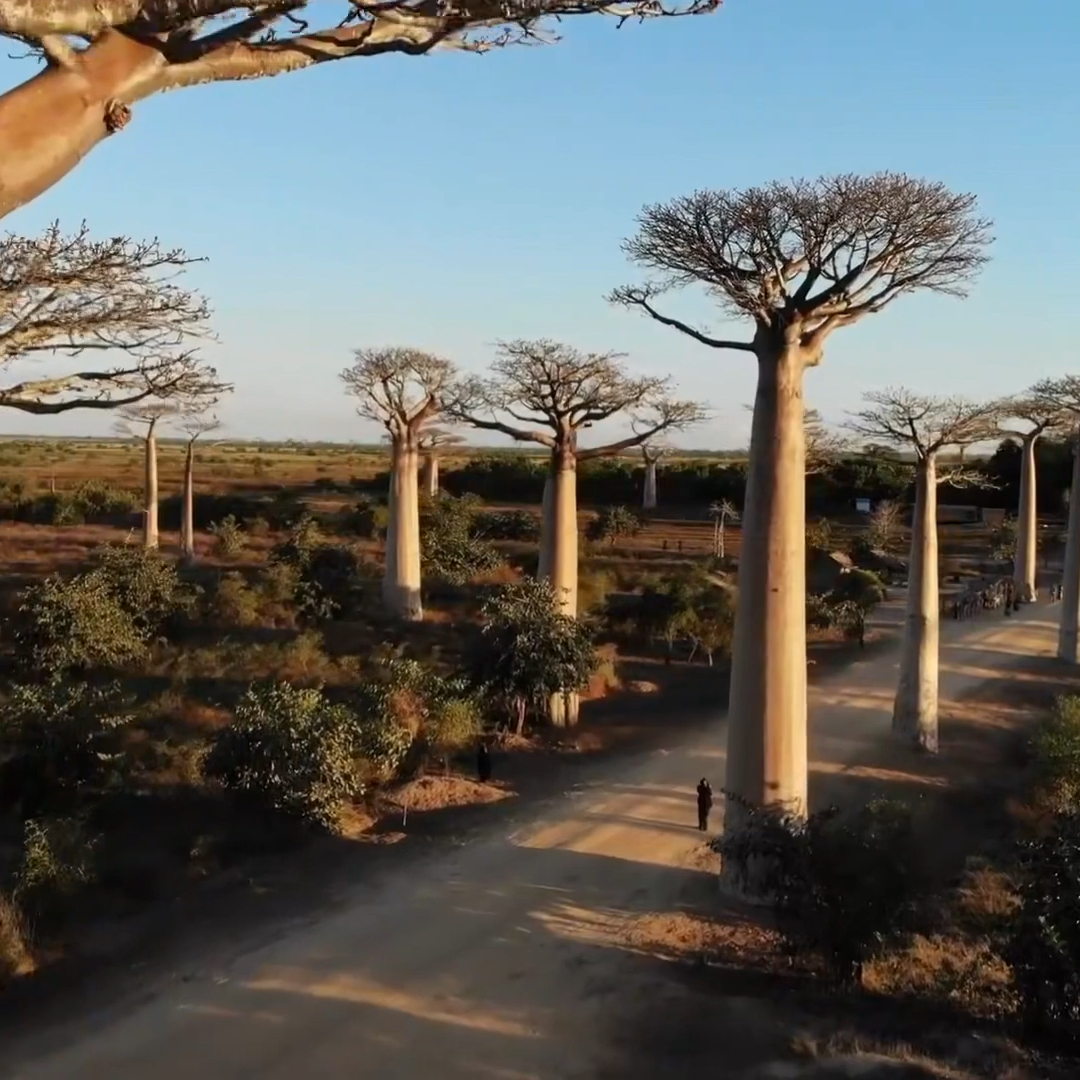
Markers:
<point>1069,629</point>
<point>431,476</point>
<point>767,741</point>
<point>915,709</point>
<point>648,501</point>
<point>401,577</point>
<point>187,520</point>
<point>562,571</point>
<point>1027,536</point>
<point>150,492</point>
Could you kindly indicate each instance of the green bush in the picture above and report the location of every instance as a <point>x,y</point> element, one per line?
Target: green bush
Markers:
<point>613,523</point>
<point>449,549</point>
<point>233,602</point>
<point>331,582</point>
<point>840,884</point>
<point>57,861</point>
<point>452,726</point>
<point>517,525</point>
<point>367,519</point>
<point>1055,756</point>
<point>1044,941</point>
<point>229,539</point>
<point>76,623</point>
<point>146,585</point>
<point>60,740</point>
<point>289,750</point>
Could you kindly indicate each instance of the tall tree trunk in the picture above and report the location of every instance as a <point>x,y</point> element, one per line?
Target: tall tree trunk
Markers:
<point>401,577</point>
<point>1027,534</point>
<point>150,494</point>
<point>1069,628</point>
<point>562,571</point>
<point>187,521</point>
<point>915,709</point>
<point>547,531</point>
<point>49,123</point>
<point>720,540</point>
<point>767,748</point>
<point>430,479</point>
<point>648,502</point>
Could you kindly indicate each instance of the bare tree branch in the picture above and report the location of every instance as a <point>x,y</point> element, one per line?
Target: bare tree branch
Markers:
<point>402,389</point>
<point>806,257</point>
<point>924,424</point>
<point>1034,413</point>
<point>549,392</point>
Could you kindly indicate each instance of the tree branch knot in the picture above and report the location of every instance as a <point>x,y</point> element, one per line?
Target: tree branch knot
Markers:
<point>117,115</point>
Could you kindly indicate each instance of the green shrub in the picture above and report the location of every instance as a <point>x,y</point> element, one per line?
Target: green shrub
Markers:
<point>1055,755</point>
<point>452,726</point>
<point>74,623</point>
<point>613,523</point>
<point>233,602</point>
<point>1044,942</point>
<point>60,740</point>
<point>840,884</point>
<point>449,550</point>
<point>289,750</point>
<point>330,582</point>
<point>146,585</point>
<point>517,525</point>
<point>57,861</point>
<point>367,519</point>
<point>820,613</point>
<point>229,539</point>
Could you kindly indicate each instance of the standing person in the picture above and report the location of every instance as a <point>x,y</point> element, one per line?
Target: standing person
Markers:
<point>704,803</point>
<point>483,763</point>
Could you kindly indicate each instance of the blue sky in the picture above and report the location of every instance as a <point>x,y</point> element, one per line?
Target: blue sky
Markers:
<point>448,201</point>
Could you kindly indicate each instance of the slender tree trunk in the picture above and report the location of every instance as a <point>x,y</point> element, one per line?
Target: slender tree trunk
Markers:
<point>1027,535</point>
<point>915,710</point>
<point>431,476</point>
<point>562,571</point>
<point>187,522</point>
<point>1069,628</point>
<point>720,540</point>
<point>767,743</point>
<point>49,123</point>
<point>648,501</point>
<point>547,532</point>
<point>401,577</point>
<point>150,494</point>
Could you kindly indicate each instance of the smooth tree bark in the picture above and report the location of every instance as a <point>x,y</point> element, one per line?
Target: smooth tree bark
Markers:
<point>651,456</point>
<point>544,392</point>
<point>433,441</point>
<point>404,390</point>
<point>1063,395</point>
<point>722,512</point>
<point>67,297</point>
<point>104,56</point>
<point>799,260</point>
<point>431,474</point>
<point>1036,416</point>
<point>150,489</point>
<point>924,426</point>
<point>193,425</point>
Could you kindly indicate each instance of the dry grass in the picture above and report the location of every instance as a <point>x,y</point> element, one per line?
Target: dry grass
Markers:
<point>16,956</point>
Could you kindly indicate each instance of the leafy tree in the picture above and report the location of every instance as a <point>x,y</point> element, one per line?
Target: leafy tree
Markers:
<point>614,523</point>
<point>146,585</point>
<point>291,751</point>
<point>529,651</point>
<point>712,622</point>
<point>449,547</point>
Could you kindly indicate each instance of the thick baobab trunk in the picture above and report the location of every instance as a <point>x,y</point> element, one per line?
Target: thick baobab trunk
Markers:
<point>547,532</point>
<point>187,519</point>
<point>1027,536</point>
<point>430,480</point>
<point>49,123</point>
<point>1069,628</point>
<point>915,710</point>
<point>150,493</point>
<point>648,501</point>
<point>561,541</point>
<point>401,577</point>
<point>766,747</point>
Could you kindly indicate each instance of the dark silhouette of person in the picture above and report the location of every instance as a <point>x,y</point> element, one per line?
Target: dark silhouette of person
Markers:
<point>483,763</point>
<point>704,804</point>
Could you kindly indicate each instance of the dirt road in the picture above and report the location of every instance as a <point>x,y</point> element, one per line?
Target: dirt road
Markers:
<point>507,958</point>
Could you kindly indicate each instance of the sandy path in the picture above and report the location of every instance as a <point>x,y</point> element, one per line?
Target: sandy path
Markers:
<point>504,958</point>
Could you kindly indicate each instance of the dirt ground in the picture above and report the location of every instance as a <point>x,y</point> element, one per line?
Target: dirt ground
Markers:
<point>546,943</point>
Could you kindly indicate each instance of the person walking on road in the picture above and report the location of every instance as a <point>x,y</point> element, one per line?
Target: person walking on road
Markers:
<point>704,804</point>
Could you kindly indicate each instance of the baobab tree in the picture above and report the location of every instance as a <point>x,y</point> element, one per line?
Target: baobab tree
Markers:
<point>924,426</point>
<point>1064,394</point>
<point>651,453</point>
<point>141,421</point>
<point>101,57</point>
<point>64,297</point>
<point>193,424</point>
<point>800,260</point>
<point>722,511</point>
<point>546,393</point>
<point>433,440</point>
<point>1036,416</point>
<point>823,445</point>
<point>404,390</point>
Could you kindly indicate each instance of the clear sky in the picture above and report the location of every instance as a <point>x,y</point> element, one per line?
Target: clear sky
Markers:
<point>448,201</point>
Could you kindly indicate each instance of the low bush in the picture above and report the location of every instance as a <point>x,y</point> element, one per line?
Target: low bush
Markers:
<point>1055,757</point>
<point>289,750</point>
<point>146,585</point>
<point>59,740</point>
<point>452,726</point>
<point>57,862</point>
<point>233,602</point>
<point>517,525</point>
<point>613,523</point>
<point>367,519</point>
<point>839,884</point>
<point>229,539</point>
